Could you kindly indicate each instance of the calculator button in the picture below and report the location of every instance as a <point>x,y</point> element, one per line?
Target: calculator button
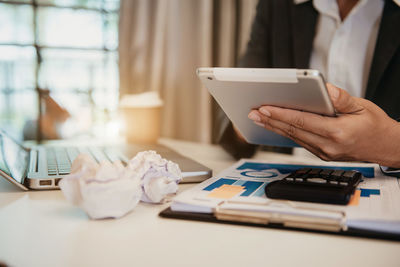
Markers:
<point>334,182</point>
<point>299,180</point>
<point>292,175</point>
<point>344,183</point>
<point>289,179</point>
<point>345,179</point>
<point>316,180</point>
<point>337,173</point>
<point>325,173</point>
<point>349,174</point>
<point>314,172</point>
<point>303,171</point>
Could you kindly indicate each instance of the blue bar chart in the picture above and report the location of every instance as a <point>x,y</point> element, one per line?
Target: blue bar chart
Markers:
<point>251,188</point>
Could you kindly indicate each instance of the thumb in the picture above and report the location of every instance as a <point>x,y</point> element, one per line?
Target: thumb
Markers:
<point>342,101</point>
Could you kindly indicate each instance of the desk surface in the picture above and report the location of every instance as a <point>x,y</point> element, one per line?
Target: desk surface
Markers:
<point>43,229</point>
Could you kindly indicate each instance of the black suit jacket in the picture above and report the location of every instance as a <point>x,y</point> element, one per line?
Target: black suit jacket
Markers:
<point>282,37</point>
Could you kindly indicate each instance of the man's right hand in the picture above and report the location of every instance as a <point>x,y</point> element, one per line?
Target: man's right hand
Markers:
<point>361,132</point>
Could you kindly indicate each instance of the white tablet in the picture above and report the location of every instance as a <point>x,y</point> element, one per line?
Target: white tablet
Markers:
<point>239,90</point>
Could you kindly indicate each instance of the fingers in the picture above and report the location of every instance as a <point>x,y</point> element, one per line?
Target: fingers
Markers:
<point>342,101</point>
<point>319,145</point>
<point>310,122</point>
<point>293,132</point>
<point>306,121</point>
<point>310,146</point>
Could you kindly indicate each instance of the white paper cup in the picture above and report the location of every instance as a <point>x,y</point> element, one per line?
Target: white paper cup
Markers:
<point>142,117</point>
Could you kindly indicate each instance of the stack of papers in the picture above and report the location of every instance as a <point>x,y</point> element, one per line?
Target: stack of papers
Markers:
<point>239,190</point>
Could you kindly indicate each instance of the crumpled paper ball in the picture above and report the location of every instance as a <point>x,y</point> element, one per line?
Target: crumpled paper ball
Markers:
<point>160,177</point>
<point>110,190</point>
<point>102,190</point>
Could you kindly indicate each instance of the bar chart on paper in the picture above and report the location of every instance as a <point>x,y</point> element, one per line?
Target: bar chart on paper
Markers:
<point>250,188</point>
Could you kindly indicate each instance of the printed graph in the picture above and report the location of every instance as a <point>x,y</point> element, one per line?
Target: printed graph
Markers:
<point>249,188</point>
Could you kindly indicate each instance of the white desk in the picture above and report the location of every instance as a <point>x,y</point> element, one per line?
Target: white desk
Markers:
<point>43,229</point>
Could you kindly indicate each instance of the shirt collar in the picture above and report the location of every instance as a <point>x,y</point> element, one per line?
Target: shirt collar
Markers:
<point>303,1</point>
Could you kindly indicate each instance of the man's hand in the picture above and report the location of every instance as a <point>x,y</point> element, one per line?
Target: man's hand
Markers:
<point>361,131</point>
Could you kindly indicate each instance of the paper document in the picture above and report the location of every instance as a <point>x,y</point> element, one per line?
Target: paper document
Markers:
<point>375,205</point>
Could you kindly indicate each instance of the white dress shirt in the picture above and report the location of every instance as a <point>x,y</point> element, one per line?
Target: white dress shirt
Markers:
<point>343,50</point>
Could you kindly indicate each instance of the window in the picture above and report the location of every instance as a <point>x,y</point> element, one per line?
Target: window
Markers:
<point>66,46</point>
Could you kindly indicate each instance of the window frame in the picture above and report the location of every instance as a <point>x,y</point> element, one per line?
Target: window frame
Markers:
<point>38,48</point>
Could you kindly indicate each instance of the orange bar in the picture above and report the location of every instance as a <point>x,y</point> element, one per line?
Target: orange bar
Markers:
<point>355,198</point>
<point>226,191</point>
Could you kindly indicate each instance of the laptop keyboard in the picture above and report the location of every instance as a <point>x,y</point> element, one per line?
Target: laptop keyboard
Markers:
<point>59,159</point>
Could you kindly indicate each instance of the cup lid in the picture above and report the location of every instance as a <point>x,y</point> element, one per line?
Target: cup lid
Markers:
<point>148,99</point>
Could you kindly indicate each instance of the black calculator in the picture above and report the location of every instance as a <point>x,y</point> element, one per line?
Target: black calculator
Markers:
<point>331,186</point>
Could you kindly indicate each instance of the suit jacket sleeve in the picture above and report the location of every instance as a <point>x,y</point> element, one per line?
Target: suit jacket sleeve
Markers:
<point>256,56</point>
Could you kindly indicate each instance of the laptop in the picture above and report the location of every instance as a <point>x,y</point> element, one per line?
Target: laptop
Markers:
<point>43,166</point>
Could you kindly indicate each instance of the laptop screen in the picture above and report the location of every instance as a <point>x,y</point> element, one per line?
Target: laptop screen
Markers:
<point>13,157</point>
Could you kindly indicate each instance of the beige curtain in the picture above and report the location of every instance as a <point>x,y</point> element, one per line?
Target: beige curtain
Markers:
<point>162,42</point>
